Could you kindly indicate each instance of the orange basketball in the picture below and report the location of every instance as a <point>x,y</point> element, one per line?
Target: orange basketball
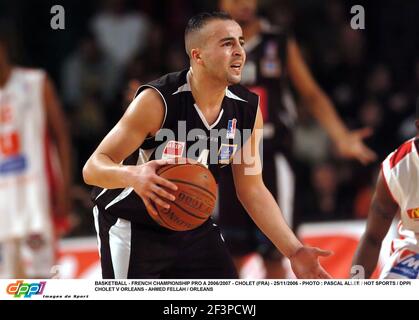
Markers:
<point>195,196</point>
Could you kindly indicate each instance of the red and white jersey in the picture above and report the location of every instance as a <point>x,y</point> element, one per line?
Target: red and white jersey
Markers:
<point>24,190</point>
<point>401,173</point>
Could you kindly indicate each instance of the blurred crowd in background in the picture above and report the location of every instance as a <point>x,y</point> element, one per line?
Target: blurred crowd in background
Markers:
<point>371,75</point>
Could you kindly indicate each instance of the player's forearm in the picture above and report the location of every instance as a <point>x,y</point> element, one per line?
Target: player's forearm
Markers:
<point>100,170</point>
<point>367,255</point>
<point>264,210</point>
<point>321,107</point>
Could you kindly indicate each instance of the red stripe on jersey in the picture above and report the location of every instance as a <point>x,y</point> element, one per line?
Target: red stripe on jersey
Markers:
<point>400,153</point>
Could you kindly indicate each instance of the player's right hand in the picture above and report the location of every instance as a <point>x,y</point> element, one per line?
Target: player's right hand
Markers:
<point>151,187</point>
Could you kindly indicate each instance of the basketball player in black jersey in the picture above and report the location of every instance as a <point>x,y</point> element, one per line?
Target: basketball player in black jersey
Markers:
<point>204,98</point>
<point>273,61</point>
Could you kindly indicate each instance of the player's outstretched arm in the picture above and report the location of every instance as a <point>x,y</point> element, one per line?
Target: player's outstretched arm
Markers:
<point>104,168</point>
<point>382,211</point>
<point>349,143</point>
<point>264,210</point>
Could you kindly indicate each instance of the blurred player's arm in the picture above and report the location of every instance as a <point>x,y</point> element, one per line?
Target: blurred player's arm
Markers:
<point>58,127</point>
<point>105,169</point>
<point>263,209</point>
<point>349,143</point>
<point>382,211</point>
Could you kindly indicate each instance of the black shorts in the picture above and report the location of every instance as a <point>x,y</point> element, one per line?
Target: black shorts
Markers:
<point>241,234</point>
<point>135,251</point>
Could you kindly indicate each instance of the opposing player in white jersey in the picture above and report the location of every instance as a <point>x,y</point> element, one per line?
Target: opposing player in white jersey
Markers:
<point>397,190</point>
<point>29,115</point>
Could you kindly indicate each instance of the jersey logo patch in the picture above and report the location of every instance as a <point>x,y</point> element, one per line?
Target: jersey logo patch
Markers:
<point>173,149</point>
<point>413,213</point>
<point>226,153</point>
<point>231,128</point>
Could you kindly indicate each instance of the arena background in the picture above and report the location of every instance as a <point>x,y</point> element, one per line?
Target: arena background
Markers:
<point>371,75</point>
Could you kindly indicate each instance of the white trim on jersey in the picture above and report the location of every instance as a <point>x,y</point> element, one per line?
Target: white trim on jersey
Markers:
<point>164,100</point>
<point>231,95</point>
<point>103,191</point>
<point>204,121</point>
<point>143,157</point>
<point>187,87</point>
<point>120,247</point>
<point>96,220</point>
<point>125,193</point>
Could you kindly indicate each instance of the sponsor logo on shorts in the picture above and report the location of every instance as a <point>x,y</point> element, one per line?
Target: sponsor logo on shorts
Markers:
<point>26,290</point>
<point>406,264</point>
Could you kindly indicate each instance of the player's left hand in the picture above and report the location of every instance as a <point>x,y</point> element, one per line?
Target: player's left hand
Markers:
<point>305,263</point>
<point>352,146</point>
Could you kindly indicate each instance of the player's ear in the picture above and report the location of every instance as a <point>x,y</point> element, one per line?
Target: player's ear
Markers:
<point>196,56</point>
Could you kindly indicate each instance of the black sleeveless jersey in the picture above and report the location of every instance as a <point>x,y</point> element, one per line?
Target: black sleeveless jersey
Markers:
<point>265,73</point>
<point>185,133</point>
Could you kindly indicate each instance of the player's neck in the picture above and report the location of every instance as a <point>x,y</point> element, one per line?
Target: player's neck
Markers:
<point>251,29</point>
<point>5,72</point>
<point>208,93</point>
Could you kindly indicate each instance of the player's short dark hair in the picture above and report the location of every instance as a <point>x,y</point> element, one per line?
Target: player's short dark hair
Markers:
<point>198,21</point>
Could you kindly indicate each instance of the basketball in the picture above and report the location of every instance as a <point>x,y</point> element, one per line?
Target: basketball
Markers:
<point>195,196</point>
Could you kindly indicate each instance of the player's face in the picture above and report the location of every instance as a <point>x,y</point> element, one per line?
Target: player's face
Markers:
<point>243,11</point>
<point>223,54</point>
